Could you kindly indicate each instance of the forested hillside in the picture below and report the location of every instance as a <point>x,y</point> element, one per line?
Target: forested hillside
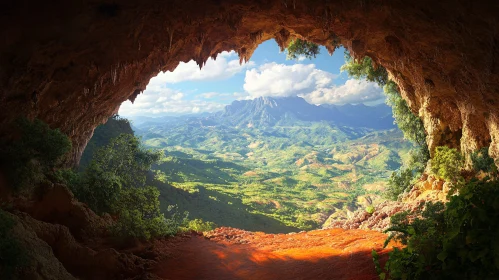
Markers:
<point>279,160</point>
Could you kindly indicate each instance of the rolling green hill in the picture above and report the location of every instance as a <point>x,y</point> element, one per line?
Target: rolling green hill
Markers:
<point>268,165</point>
<point>287,165</point>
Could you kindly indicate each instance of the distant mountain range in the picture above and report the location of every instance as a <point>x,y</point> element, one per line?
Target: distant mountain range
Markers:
<point>271,111</point>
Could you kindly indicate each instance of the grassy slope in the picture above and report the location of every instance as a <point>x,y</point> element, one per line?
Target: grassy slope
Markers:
<point>296,175</point>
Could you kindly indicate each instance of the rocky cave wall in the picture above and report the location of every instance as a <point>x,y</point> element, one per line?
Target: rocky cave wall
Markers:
<point>72,63</point>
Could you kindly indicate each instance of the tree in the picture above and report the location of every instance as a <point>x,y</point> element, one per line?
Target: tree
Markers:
<point>122,164</point>
<point>301,47</point>
<point>103,134</point>
<point>114,182</point>
<point>140,215</point>
<point>364,69</point>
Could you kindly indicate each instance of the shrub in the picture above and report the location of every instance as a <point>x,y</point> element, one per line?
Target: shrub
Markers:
<point>28,160</point>
<point>200,225</point>
<point>12,255</point>
<point>422,234</point>
<point>399,182</point>
<point>447,163</point>
<point>133,223</point>
<point>410,124</point>
<point>176,220</point>
<point>470,242</point>
<point>482,161</point>
<point>370,209</point>
<point>457,241</point>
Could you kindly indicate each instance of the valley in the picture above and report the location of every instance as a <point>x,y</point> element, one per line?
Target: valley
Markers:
<point>279,163</point>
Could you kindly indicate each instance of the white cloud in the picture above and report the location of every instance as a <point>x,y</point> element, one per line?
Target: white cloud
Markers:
<point>272,79</point>
<point>353,91</point>
<point>160,100</point>
<point>305,80</point>
<point>225,66</point>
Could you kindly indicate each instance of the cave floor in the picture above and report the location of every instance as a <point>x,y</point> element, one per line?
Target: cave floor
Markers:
<point>228,253</point>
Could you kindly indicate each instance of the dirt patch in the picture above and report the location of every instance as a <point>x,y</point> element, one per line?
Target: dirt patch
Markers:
<point>228,253</point>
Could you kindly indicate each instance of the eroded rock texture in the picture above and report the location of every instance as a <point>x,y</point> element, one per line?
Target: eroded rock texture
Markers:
<point>64,239</point>
<point>72,63</point>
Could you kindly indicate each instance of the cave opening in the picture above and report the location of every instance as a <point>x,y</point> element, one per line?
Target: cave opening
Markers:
<point>285,140</point>
<point>71,65</point>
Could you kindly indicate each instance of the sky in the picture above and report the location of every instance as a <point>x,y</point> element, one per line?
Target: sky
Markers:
<point>189,90</point>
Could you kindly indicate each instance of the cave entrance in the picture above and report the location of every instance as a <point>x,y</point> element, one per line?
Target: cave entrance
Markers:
<point>274,144</point>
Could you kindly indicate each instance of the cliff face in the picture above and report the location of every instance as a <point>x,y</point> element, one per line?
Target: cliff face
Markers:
<point>72,64</point>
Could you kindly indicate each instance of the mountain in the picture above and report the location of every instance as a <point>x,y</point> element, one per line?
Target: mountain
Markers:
<point>281,111</point>
<point>360,115</point>
<point>270,111</point>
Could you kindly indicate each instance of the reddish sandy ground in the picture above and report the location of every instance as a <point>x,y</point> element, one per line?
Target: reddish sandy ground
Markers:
<point>228,253</point>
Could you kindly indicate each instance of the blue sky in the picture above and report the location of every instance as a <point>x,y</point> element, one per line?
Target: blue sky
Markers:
<point>189,90</point>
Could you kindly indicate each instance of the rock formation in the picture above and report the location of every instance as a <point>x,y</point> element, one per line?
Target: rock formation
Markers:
<point>64,239</point>
<point>428,188</point>
<point>72,64</point>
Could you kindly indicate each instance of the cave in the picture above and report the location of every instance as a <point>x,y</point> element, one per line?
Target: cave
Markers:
<point>73,63</point>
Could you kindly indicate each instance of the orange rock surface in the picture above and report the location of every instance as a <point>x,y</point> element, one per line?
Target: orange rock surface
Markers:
<point>228,253</point>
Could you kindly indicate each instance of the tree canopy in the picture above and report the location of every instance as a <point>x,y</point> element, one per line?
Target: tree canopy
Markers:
<point>299,47</point>
<point>364,69</point>
<point>115,182</point>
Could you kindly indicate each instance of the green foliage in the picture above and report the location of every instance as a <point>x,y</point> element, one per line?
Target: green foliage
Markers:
<point>140,215</point>
<point>370,209</point>
<point>115,182</point>
<point>121,165</point>
<point>447,163</point>
<point>12,255</point>
<point>278,178</point>
<point>458,241</point>
<point>200,225</point>
<point>482,161</point>
<point>300,47</point>
<point>399,182</point>
<point>364,69</point>
<point>377,265</point>
<point>410,124</point>
<point>470,244</point>
<point>29,159</point>
<point>176,221</point>
<point>421,233</point>
<point>103,134</point>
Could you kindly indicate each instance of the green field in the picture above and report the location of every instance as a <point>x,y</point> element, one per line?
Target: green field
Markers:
<point>274,179</point>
